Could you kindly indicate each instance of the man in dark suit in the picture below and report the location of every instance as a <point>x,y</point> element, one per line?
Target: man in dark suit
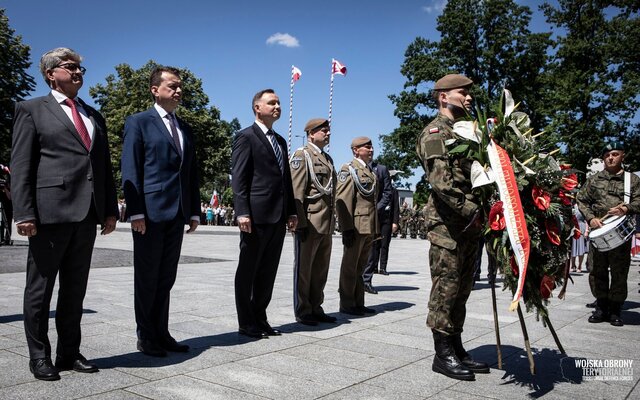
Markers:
<point>62,186</point>
<point>383,208</point>
<point>160,183</point>
<point>264,206</point>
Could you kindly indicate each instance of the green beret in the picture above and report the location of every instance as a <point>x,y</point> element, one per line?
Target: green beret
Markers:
<point>360,141</point>
<point>315,123</point>
<point>613,145</point>
<point>452,81</point>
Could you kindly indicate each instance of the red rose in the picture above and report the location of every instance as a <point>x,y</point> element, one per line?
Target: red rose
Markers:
<point>577,233</point>
<point>546,286</point>
<point>565,197</point>
<point>553,232</point>
<point>541,199</point>
<point>514,266</point>
<point>565,166</point>
<point>570,181</point>
<point>496,217</point>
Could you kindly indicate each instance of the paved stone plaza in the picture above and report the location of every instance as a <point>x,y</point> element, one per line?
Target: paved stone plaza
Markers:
<point>385,356</point>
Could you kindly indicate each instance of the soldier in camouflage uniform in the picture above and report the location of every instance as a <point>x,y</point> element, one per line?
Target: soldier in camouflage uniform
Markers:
<point>454,224</point>
<point>603,195</point>
<point>356,210</point>
<point>405,214</point>
<point>314,182</point>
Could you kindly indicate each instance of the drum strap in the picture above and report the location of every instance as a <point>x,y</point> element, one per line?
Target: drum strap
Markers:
<point>627,187</point>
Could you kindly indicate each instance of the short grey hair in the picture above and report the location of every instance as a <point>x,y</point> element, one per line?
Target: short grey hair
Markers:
<point>55,57</point>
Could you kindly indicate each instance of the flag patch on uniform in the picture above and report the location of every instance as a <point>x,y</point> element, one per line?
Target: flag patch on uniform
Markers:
<point>434,130</point>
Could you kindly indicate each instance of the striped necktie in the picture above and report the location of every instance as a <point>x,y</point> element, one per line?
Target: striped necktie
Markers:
<point>276,148</point>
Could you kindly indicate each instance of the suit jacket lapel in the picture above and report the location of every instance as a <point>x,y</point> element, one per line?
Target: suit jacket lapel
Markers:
<point>54,107</point>
<point>265,142</point>
<point>159,123</point>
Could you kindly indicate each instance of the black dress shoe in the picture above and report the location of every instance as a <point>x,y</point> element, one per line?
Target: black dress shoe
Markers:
<point>307,320</point>
<point>598,316</point>
<point>367,310</point>
<point>77,363</point>
<point>172,345</point>
<point>43,369</point>
<point>151,349</point>
<point>383,272</point>
<point>253,332</point>
<point>592,305</point>
<point>324,318</point>
<point>351,311</point>
<point>615,320</point>
<point>370,289</point>
<point>266,328</point>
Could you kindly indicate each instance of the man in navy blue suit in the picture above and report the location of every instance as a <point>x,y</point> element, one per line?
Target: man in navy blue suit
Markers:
<point>264,205</point>
<point>160,183</point>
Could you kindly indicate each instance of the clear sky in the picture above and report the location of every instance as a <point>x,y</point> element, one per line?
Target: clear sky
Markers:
<point>225,43</point>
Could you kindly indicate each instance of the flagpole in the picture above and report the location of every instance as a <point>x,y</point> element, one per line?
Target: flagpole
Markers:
<point>330,102</point>
<point>291,109</point>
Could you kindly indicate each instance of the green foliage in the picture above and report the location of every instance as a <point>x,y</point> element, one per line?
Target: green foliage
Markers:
<point>127,92</point>
<point>487,41</point>
<point>15,82</point>
<point>595,77</point>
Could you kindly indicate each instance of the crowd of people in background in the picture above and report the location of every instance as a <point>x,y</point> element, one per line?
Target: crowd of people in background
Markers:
<point>218,215</point>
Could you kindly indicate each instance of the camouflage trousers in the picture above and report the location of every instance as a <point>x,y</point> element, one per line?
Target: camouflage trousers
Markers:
<point>452,280</point>
<point>617,261</point>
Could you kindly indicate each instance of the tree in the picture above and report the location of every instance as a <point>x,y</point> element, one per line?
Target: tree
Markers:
<point>128,93</point>
<point>487,41</point>
<point>15,82</point>
<point>595,77</point>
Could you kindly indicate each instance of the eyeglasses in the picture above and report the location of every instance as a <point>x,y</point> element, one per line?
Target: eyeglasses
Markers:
<point>72,67</point>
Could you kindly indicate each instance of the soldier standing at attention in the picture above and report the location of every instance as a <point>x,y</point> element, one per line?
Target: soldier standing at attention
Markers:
<point>314,181</point>
<point>356,210</point>
<point>605,194</point>
<point>454,224</point>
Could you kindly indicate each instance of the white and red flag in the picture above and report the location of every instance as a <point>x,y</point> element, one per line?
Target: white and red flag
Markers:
<point>214,199</point>
<point>295,73</point>
<point>338,68</point>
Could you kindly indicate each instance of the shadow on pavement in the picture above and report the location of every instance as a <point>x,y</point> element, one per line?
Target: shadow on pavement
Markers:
<point>395,288</point>
<point>551,367</point>
<point>228,339</point>
<point>19,317</point>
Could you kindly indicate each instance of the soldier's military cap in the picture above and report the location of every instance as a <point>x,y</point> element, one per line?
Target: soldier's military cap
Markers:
<point>452,81</point>
<point>315,123</point>
<point>360,141</point>
<point>612,145</point>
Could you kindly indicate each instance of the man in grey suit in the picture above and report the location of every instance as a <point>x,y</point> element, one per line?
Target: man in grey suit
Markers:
<point>62,186</point>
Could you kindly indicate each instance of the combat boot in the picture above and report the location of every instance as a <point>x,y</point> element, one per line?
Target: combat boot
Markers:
<point>445,361</point>
<point>465,358</point>
<point>601,313</point>
<point>614,314</point>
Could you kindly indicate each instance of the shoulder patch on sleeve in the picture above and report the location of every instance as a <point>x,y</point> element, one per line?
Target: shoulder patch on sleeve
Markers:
<point>343,176</point>
<point>295,162</point>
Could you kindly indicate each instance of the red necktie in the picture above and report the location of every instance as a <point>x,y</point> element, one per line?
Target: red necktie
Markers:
<point>79,123</point>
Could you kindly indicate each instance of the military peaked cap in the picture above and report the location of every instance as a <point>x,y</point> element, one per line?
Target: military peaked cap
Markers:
<point>360,141</point>
<point>315,123</point>
<point>452,81</point>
